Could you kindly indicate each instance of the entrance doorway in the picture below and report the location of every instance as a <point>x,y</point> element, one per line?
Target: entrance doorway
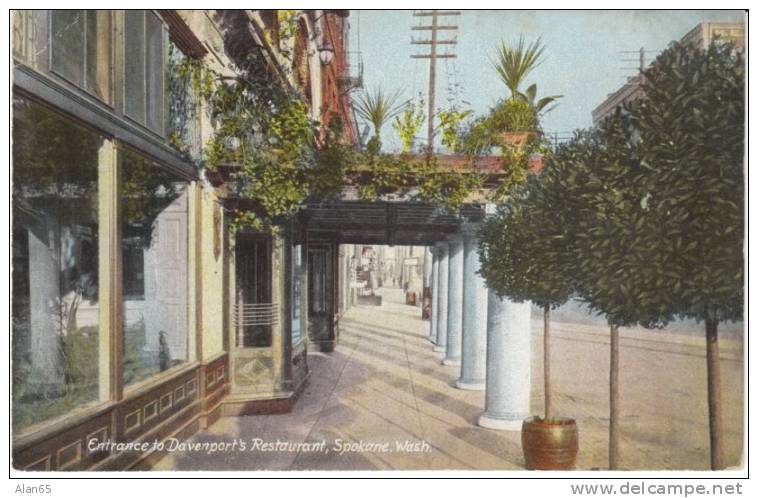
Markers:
<point>322,293</point>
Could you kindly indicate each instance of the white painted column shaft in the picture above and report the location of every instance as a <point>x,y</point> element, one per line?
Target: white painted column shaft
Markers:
<point>508,381</point>
<point>474,353</point>
<point>454,302</point>
<point>441,342</point>
<point>435,295</point>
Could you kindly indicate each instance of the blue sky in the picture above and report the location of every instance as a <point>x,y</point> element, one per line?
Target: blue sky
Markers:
<point>582,59</point>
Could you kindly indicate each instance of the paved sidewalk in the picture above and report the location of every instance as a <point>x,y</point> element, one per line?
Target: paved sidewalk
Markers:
<point>385,392</point>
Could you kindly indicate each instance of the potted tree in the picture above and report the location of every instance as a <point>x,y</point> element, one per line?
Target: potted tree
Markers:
<point>515,121</point>
<point>692,127</point>
<point>620,269</point>
<point>516,117</point>
<point>526,257</point>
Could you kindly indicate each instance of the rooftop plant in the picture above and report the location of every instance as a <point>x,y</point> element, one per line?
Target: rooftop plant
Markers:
<point>514,62</point>
<point>408,123</point>
<point>378,108</point>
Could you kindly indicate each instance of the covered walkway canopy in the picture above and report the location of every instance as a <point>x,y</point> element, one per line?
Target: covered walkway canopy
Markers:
<point>387,222</point>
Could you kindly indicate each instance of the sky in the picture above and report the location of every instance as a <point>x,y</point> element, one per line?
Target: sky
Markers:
<point>582,60</point>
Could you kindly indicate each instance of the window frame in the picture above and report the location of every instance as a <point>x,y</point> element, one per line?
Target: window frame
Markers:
<point>162,133</point>
<point>106,395</point>
<point>135,388</point>
<point>108,98</point>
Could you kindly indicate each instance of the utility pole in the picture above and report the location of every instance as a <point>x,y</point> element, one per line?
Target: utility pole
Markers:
<point>433,42</point>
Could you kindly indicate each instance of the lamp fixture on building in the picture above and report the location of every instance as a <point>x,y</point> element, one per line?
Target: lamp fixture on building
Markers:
<point>326,53</point>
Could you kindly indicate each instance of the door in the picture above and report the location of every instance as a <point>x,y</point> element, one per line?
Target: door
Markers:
<point>320,296</point>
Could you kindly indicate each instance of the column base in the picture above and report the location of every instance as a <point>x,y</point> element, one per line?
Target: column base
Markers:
<point>439,349</point>
<point>469,386</point>
<point>451,362</point>
<point>432,339</point>
<point>499,424</point>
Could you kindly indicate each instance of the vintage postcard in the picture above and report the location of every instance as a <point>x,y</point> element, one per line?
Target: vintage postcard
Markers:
<point>378,240</point>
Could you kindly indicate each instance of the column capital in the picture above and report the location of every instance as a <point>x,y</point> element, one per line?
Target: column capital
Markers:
<point>441,246</point>
<point>470,230</point>
<point>455,238</point>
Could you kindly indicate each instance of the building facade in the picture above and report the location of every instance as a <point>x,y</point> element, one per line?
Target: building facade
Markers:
<point>137,315</point>
<point>700,36</point>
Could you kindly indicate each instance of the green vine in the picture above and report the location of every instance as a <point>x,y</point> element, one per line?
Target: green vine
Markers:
<point>288,26</point>
<point>279,158</point>
<point>450,122</point>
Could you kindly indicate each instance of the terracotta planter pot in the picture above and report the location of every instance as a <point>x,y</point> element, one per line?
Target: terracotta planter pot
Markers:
<point>518,138</point>
<point>550,445</point>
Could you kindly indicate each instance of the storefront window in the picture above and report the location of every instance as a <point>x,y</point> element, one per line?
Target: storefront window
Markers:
<point>55,310</point>
<point>154,253</point>
<point>297,270</point>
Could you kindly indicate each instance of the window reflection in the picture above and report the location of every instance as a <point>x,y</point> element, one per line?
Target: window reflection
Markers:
<point>154,253</point>
<point>55,311</point>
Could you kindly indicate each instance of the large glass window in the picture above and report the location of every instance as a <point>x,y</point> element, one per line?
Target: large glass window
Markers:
<point>144,68</point>
<point>297,271</point>
<point>155,254</point>
<point>55,310</point>
<point>80,43</point>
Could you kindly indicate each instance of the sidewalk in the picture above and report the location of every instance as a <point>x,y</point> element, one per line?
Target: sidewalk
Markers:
<point>385,391</point>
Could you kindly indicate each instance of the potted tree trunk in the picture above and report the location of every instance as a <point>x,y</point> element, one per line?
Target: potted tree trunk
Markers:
<point>525,257</point>
<point>549,443</point>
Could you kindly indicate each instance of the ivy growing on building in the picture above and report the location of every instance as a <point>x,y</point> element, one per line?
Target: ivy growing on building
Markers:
<point>281,157</point>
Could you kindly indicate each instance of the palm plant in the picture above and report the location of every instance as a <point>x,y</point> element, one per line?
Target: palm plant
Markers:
<point>514,63</point>
<point>378,108</point>
<point>530,97</point>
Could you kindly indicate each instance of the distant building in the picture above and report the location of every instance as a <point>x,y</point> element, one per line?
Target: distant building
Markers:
<point>705,32</point>
<point>630,92</point>
<point>700,36</point>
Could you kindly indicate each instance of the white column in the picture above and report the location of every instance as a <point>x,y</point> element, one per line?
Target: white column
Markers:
<point>474,354</point>
<point>454,302</point>
<point>441,342</point>
<point>426,288</point>
<point>508,364</point>
<point>435,294</point>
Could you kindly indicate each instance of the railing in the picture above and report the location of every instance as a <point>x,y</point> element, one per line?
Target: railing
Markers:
<point>353,75</point>
<point>246,316</point>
